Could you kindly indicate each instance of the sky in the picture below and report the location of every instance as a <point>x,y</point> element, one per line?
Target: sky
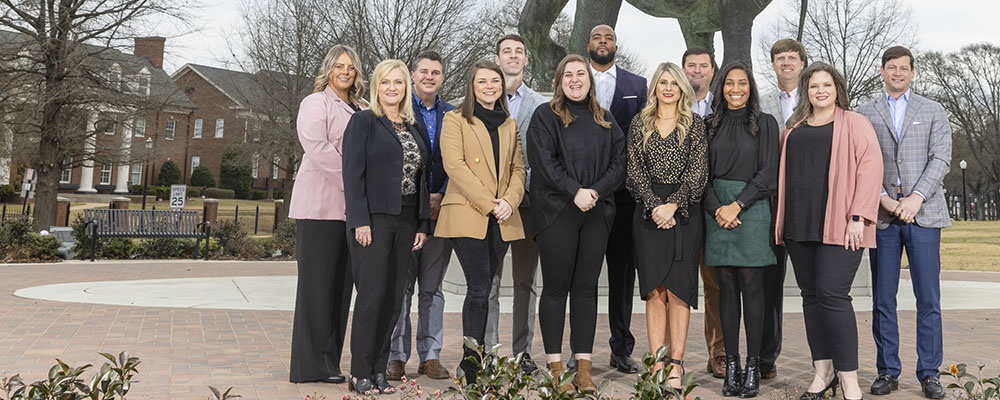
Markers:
<point>941,26</point>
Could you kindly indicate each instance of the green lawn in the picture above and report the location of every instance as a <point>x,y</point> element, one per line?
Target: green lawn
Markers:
<point>971,246</point>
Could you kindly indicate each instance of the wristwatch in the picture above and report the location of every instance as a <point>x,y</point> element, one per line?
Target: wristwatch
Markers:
<point>740,203</point>
<point>855,218</point>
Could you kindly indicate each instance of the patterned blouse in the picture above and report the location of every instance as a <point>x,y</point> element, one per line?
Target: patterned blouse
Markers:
<point>665,161</point>
<point>411,161</point>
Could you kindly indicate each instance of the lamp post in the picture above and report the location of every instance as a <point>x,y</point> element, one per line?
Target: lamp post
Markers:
<point>145,175</point>
<point>965,203</point>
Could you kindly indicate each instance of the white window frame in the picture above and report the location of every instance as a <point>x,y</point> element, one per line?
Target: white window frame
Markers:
<point>109,125</point>
<point>171,130</point>
<point>144,82</point>
<point>195,162</point>
<point>256,130</point>
<point>255,166</point>
<point>66,174</point>
<point>136,173</point>
<point>274,167</point>
<point>106,171</point>
<point>220,127</point>
<point>199,125</point>
<point>140,127</point>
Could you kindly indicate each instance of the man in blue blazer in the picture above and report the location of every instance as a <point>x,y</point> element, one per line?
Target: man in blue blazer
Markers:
<point>915,136</point>
<point>432,260</point>
<point>624,94</point>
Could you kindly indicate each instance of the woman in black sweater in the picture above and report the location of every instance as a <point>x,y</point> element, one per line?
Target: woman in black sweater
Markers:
<point>577,153</point>
<point>743,156</point>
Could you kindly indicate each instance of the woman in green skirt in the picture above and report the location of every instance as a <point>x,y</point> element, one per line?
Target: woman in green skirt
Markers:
<point>743,154</point>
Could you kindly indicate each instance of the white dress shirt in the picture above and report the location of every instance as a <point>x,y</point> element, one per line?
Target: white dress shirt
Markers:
<point>604,85</point>
<point>514,101</point>
<point>703,107</point>
<point>788,102</point>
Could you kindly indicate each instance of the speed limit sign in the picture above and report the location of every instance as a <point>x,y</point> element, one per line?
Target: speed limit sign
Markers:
<point>178,196</point>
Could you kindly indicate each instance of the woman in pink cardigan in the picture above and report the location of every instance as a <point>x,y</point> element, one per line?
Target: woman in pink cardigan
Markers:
<point>323,297</point>
<point>828,194</point>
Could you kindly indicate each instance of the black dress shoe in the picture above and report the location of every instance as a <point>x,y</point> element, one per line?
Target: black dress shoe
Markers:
<point>382,384</point>
<point>336,378</point>
<point>527,365</point>
<point>361,386</point>
<point>931,386</point>
<point>751,379</point>
<point>624,364</point>
<point>885,384</point>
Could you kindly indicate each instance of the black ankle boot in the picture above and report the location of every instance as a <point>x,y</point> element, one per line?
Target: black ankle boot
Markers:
<point>751,379</point>
<point>731,384</point>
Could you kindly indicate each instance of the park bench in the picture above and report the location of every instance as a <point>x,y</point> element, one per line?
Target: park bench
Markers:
<point>146,224</point>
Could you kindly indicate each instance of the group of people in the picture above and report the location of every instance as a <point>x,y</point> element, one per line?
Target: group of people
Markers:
<point>695,173</point>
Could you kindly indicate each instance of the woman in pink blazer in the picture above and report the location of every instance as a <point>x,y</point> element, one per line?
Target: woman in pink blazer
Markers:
<point>829,183</point>
<point>323,297</point>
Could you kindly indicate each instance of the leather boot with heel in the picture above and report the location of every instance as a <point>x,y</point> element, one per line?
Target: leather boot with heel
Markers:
<point>557,369</point>
<point>583,380</point>
<point>732,380</point>
<point>751,379</point>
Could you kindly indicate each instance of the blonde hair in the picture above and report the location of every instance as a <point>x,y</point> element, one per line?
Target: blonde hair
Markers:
<point>685,115</point>
<point>381,71</point>
<point>322,80</point>
<point>558,102</point>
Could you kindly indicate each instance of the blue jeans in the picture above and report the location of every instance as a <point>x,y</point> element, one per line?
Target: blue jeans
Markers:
<point>923,250</point>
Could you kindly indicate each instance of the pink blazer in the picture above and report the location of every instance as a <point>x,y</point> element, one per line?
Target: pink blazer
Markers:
<point>319,184</point>
<point>855,180</point>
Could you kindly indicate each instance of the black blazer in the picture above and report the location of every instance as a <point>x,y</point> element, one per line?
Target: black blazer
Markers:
<point>373,170</point>
<point>628,100</point>
<point>438,177</point>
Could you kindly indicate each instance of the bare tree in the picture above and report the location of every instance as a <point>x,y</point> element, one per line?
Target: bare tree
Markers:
<point>56,56</point>
<point>848,34</point>
<point>967,84</point>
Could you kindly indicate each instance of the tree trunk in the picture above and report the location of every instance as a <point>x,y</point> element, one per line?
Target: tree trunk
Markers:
<point>694,36</point>
<point>737,24</point>
<point>803,11</point>
<point>534,25</point>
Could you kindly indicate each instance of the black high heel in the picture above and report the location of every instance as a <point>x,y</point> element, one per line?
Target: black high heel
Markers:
<point>382,384</point>
<point>360,386</point>
<point>751,379</point>
<point>731,382</point>
<point>831,387</point>
<point>677,363</point>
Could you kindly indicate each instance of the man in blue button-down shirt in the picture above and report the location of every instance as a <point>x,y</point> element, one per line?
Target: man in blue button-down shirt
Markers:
<point>432,260</point>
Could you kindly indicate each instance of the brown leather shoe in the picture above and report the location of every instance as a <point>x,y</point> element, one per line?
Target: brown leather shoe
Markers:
<point>557,369</point>
<point>717,366</point>
<point>433,369</point>
<point>583,380</point>
<point>770,373</point>
<point>395,370</point>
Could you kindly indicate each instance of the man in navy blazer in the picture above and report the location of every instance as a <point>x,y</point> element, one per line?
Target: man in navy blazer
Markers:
<point>432,260</point>
<point>624,94</point>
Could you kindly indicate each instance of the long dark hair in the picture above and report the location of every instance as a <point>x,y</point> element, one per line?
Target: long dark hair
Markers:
<point>720,106</point>
<point>469,102</point>
<point>558,102</point>
<point>805,108</point>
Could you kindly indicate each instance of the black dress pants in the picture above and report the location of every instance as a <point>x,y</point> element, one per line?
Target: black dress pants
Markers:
<point>380,276</point>
<point>621,280</point>
<point>322,299</point>
<point>480,259</point>
<point>741,286</point>
<point>824,274</point>
<point>774,297</point>
<point>570,250</point>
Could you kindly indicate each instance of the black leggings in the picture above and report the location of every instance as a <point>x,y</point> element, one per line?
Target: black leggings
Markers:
<point>571,250</point>
<point>748,281</point>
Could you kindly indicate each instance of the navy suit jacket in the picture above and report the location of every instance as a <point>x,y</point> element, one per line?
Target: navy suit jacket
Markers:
<point>628,100</point>
<point>439,179</point>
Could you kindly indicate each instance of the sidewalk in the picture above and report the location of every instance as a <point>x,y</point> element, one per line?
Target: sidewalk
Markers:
<point>195,323</point>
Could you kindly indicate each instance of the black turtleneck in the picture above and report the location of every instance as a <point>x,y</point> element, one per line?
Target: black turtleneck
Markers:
<point>564,159</point>
<point>735,154</point>
<point>492,119</point>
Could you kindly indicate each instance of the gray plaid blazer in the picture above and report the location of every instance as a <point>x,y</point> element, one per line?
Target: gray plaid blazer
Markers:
<point>530,102</point>
<point>919,160</point>
<point>770,103</point>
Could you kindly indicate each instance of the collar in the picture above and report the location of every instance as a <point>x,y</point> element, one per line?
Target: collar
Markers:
<point>613,71</point>
<point>519,92</point>
<point>788,95</point>
<point>890,99</point>
<point>420,103</point>
<point>708,98</point>
<point>333,95</point>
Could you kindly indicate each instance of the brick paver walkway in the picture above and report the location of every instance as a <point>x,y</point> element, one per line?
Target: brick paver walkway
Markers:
<point>185,350</point>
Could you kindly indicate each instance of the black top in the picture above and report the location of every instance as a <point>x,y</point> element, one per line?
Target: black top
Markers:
<point>807,173</point>
<point>734,154</point>
<point>667,161</point>
<point>373,170</point>
<point>354,107</point>
<point>565,159</point>
<point>492,119</point>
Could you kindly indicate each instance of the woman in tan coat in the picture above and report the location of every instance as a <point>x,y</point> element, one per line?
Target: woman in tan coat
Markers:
<point>481,152</point>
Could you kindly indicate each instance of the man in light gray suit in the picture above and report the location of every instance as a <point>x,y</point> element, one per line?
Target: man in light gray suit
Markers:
<point>512,57</point>
<point>915,137</point>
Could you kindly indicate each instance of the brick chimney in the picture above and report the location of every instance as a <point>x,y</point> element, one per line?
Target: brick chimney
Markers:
<point>151,48</point>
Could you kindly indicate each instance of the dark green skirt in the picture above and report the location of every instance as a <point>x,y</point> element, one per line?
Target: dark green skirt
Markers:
<point>747,245</point>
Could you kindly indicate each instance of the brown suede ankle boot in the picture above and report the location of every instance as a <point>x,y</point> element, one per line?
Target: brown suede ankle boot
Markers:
<point>583,379</point>
<point>557,369</point>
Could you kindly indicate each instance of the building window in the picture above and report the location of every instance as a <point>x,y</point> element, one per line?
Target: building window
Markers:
<point>220,124</point>
<point>274,167</point>
<point>144,80</point>
<point>256,130</point>
<point>137,173</point>
<point>105,174</point>
<point>171,129</point>
<point>109,125</point>
<point>198,126</point>
<point>195,162</point>
<point>255,167</point>
<point>140,127</point>
<point>66,175</point>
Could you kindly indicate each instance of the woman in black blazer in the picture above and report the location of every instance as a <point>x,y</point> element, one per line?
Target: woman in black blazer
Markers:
<point>388,209</point>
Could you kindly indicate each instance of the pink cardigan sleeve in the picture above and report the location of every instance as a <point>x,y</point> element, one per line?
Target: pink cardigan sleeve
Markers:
<point>868,158</point>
